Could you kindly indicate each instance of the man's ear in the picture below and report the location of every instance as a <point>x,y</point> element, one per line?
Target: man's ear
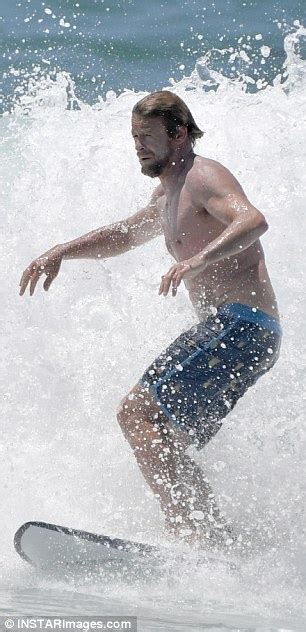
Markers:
<point>181,134</point>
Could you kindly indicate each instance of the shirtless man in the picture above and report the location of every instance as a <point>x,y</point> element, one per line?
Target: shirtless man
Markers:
<point>212,230</point>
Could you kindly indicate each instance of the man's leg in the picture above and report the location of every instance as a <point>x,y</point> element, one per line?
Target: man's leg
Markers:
<point>184,493</point>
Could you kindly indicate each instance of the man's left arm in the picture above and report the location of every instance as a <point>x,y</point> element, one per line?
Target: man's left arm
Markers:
<point>224,199</point>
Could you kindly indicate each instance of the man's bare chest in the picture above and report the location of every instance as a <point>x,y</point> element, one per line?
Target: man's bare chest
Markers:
<point>187,227</point>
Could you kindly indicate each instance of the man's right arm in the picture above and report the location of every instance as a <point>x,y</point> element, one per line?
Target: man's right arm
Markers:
<point>108,241</point>
<point>117,238</point>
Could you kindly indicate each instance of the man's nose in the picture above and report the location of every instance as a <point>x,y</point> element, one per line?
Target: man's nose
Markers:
<point>138,144</point>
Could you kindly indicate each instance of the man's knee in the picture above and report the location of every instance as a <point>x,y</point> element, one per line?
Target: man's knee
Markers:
<point>138,413</point>
<point>137,405</point>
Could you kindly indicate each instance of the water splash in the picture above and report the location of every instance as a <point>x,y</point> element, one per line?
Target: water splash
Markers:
<point>70,356</point>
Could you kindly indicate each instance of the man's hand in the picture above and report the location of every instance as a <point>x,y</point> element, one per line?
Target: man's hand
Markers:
<point>49,264</point>
<point>183,270</point>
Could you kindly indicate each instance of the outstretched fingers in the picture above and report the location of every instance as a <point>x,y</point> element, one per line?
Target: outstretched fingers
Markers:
<point>48,281</point>
<point>30,275</point>
<point>24,282</point>
<point>174,278</point>
<point>48,264</point>
<point>166,281</point>
<point>34,279</point>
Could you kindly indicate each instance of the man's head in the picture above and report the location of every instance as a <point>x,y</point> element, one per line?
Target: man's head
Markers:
<point>161,125</point>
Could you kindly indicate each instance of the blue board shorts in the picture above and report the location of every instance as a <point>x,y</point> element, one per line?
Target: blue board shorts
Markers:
<point>199,378</point>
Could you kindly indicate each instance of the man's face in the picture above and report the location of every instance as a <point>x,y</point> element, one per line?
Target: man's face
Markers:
<point>152,144</point>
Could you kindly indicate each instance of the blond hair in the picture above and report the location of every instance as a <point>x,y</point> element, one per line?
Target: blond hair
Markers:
<point>172,110</point>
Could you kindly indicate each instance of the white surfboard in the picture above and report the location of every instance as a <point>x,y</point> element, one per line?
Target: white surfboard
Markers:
<point>44,545</point>
<point>52,547</point>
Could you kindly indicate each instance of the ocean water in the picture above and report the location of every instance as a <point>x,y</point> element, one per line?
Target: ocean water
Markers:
<point>69,356</point>
<point>134,44</point>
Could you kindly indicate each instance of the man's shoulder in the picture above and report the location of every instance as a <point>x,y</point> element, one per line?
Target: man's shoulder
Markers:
<point>205,168</point>
<point>208,175</point>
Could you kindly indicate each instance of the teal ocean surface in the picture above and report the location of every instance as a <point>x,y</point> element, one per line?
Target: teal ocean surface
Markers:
<point>136,44</point>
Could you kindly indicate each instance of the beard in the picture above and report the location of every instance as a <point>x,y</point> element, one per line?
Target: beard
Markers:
<point>155,169</point>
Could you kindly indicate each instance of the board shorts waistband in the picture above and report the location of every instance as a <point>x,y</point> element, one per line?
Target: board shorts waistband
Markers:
<point>252,315</point>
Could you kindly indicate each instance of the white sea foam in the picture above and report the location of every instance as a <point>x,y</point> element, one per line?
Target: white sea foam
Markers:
<point>69,356</point>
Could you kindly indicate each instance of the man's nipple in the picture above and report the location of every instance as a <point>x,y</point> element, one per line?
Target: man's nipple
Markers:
<point>178,240</point>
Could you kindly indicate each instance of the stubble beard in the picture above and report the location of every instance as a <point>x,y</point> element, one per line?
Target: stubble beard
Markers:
<point>155,169</point>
